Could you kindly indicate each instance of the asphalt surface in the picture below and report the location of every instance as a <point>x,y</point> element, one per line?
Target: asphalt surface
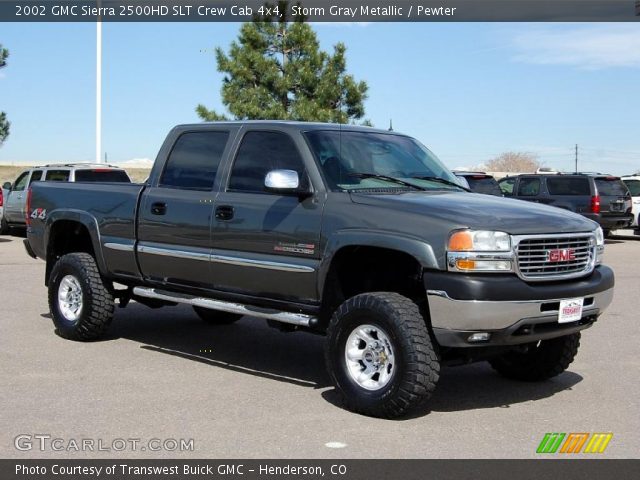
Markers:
<point>249,391</point>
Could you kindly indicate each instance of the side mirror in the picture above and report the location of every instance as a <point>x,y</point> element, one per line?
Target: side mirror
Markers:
<point>284,182</point>
<point>7,185</point>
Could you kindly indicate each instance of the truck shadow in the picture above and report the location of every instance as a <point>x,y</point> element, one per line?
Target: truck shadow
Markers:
<point>251,347</point>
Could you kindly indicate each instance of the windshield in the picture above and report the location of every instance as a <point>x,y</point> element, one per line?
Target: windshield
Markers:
<point>342,155</point>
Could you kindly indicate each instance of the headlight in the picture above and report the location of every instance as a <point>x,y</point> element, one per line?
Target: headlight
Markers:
<point>599,245</point>
<point>479,251</point>
<point>599,236</point>
<point>479,241</point>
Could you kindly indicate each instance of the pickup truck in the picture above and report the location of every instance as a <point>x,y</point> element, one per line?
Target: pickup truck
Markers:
<point>359,234</point>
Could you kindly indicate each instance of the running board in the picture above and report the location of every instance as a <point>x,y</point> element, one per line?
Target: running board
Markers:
<point>299,319</point>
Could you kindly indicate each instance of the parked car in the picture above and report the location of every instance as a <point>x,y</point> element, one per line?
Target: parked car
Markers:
<point>359,234</point>
<point>15,197</point>
<point>633,184</point>
<point>480,182</point>
<point>602,198</point>
<point>4,226</point>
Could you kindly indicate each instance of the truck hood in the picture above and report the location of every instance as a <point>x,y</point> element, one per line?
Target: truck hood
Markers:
<point>481,212</point>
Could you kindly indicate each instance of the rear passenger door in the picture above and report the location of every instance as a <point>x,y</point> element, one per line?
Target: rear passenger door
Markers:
<point>174,240</point>
<point>266,243</point>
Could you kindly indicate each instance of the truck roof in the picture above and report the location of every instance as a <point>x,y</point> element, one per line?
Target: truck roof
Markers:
<point>294,125</point>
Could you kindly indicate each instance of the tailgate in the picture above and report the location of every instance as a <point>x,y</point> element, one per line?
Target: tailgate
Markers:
<point>615,198</point>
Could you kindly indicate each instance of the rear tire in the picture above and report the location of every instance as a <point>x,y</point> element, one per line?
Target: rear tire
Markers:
<point>380,356</point>
<point>540,361</point>
<point>80,302</point>
<point>216,317</point>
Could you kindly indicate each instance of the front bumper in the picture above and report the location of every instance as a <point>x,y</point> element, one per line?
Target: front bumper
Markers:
<point>509,309</point>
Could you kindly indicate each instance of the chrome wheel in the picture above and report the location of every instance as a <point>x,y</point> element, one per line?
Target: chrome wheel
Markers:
<point>70,298</point>
<point>369,357</point>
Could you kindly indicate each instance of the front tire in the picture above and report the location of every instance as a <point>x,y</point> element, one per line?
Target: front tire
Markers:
<point>80,302</point>
<point>540,361</point>
<point>380,356</point>
<point>4,227</point>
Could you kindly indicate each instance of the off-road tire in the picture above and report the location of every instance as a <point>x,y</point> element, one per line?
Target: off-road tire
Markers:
<point>541,361</point>
<point>417,367</point>
<point>216,317</point>
<point>97,298</point>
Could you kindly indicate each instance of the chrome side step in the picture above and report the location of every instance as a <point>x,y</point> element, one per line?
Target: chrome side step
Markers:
<point>299,319</point>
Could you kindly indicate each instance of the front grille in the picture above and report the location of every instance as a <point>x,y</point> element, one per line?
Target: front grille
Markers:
<point>534,261</point>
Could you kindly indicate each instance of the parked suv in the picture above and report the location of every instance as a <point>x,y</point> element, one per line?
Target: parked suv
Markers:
<point>480,182</point>
<point>633,184</point>
<point>14,194</point>
<point>603,198</point>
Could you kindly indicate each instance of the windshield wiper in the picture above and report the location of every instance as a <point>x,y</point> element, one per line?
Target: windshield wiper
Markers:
<point>387,178</point>
<point>443,181</point>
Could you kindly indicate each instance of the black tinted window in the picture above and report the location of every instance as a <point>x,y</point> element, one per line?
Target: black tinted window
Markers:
<point>58,176</point>
<point>487,185</point>
<point>568,186</point>
<point>529,187</point>
<point>101,175</point>
<point>36,175</point>
<point>611,187</point>
<point>194,160</point>
<point>259,153</point>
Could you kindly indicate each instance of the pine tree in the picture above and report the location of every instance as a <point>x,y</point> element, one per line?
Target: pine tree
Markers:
<point>4,123</point>
<point>276,71</point>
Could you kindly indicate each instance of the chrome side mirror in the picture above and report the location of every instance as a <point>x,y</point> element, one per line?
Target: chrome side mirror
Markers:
<point>282,181</point>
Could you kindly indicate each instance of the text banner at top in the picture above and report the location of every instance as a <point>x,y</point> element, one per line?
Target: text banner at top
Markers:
<point>321,10</point>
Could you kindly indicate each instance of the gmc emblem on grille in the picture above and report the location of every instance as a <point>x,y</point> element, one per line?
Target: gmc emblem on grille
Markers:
<point>561,255</point>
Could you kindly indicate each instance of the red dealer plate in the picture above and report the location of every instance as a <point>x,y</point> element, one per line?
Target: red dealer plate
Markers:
<point>570,310</point>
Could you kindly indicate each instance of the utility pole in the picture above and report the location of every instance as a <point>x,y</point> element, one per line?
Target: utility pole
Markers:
<point>98,90</point>
<point>576,170</point>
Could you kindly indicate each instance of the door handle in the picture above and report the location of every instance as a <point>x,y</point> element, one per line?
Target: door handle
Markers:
<point>158,208</point>
<point>224,212</point>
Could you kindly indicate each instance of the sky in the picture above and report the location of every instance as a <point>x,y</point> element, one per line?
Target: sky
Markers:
<point>469,91</point>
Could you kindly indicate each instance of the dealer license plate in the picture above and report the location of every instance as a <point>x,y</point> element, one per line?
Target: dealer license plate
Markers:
<point>570,310</point>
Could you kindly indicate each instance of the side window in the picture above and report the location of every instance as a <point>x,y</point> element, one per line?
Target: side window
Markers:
<point>506,186</point>
<point>57,176</point>
<point>21,182</point>
<point>194,160</point>
<point>529,187</point>
<point>259,153</point>
<point>35,176</point>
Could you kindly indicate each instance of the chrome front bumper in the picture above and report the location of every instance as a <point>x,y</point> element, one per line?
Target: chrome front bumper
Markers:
<point>472,315</point>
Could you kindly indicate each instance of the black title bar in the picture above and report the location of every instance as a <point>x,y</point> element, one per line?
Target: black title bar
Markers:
<point>321,10</point>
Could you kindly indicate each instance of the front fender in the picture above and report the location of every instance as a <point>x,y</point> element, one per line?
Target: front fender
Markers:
<point>414,246</point>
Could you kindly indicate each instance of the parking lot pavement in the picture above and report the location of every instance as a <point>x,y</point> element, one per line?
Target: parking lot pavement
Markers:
<point>246,390</point>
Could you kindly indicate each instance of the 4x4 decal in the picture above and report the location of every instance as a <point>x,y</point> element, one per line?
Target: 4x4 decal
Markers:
<point>39,213</point>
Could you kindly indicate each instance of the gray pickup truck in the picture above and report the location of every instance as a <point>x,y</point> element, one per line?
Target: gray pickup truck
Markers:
<point>355,233</point>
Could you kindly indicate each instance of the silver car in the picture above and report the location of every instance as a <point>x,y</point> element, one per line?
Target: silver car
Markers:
<point>15,194</point>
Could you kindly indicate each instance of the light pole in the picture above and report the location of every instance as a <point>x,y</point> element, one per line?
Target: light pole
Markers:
<point>98,90</point>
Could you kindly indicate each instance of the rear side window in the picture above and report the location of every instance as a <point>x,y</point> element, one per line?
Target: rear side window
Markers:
<point>529,187</point>
<point>35,176</point>
<point>193,163</point>
<point>633,186</point>
<point>481,184</point>
<point>259,153</point>
<point>102,175</point>
<point>568,186</point>
<point>611,187</point>
<point>57,176</point>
